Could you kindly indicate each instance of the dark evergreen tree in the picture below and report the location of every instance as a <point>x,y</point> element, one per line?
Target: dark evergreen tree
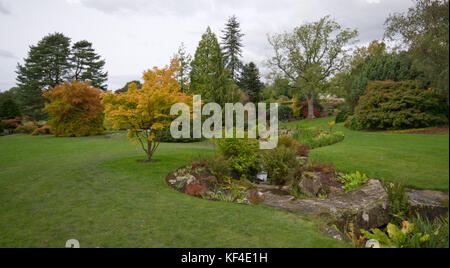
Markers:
<point>47,65</point>
<point>380,67</point>
<point>209,78</point>
<point>87,65</point>
<point>232,46</point>
<point>9,109</point>
<point>250,82</point>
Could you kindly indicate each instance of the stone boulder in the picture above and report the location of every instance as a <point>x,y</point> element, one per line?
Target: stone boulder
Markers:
<point>427,203</point>
<point>310,184</point>
<point>365,207</point>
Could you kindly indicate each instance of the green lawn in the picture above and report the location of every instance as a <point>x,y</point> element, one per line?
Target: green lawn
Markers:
<point>93,189</point>
<point>421,160</point>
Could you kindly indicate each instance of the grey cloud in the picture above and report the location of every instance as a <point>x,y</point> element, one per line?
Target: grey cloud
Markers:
<point>4,9</point>
<point>154,7</point>
<point>6,54</point>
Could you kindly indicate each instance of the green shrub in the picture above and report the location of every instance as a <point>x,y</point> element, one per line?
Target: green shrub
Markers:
<point>242,152</point>
<point>220,167</point>
<point>285,112</point>
<point>353,124</point>
<point>353,181</point>
<point>398,201</point>
<point>2,128</point>
<point>315,138</point>
<point>399,105</point>
<point>279,163</point>
<point>438,231</point>
<point>342,116</point>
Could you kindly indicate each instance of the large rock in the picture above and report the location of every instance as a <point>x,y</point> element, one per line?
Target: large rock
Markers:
<point>365,207</point>
<point>427,203</point>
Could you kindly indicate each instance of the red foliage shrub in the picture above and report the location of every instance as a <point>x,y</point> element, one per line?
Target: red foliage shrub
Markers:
<point>317,112</point>
<point>303,150</point>
<point>11,123</point>
<point>195,190</point>
<point>302,110</point>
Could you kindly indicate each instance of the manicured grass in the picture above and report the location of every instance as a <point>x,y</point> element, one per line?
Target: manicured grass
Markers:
<point>421,160</point>
<point>93,189</point>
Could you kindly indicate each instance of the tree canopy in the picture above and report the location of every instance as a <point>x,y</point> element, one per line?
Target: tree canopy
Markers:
<point>424,31</point>
<point>310,54</point>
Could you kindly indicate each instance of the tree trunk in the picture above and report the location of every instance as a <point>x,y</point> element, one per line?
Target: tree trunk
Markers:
<point>311,107</point>
<point>149,151</point>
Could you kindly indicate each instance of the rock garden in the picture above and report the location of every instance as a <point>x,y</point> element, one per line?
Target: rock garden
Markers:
<point>286,178</point>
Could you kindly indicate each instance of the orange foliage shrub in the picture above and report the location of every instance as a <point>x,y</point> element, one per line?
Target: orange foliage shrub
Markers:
<point>45,130</point>
<point>75,110</point>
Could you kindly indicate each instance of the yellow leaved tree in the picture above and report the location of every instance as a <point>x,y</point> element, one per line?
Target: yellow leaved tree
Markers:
<point>146,111</point>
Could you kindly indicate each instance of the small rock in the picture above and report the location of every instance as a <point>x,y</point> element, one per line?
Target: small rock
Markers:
<point>172,181</point>
<point>189,179</point>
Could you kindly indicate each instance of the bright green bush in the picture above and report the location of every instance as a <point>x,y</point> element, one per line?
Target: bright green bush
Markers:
<point>315,138</point>
<point>399,105</point>
<point>242,152</point>
<point>353,181</point>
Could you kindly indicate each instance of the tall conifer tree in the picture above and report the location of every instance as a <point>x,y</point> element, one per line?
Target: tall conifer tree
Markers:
<point>209,77</point>
<point>232,46</point>
<point>87,65</point>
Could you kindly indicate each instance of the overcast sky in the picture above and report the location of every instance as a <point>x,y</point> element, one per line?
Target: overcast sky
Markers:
<point>135,35</point>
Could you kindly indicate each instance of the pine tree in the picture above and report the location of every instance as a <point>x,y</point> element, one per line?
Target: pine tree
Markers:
<point>184,62</point>
<point>250,82</point>
<point>209,78</point>
<point>47,65</point>
<point>87,65</point>
<point>232,46</point>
